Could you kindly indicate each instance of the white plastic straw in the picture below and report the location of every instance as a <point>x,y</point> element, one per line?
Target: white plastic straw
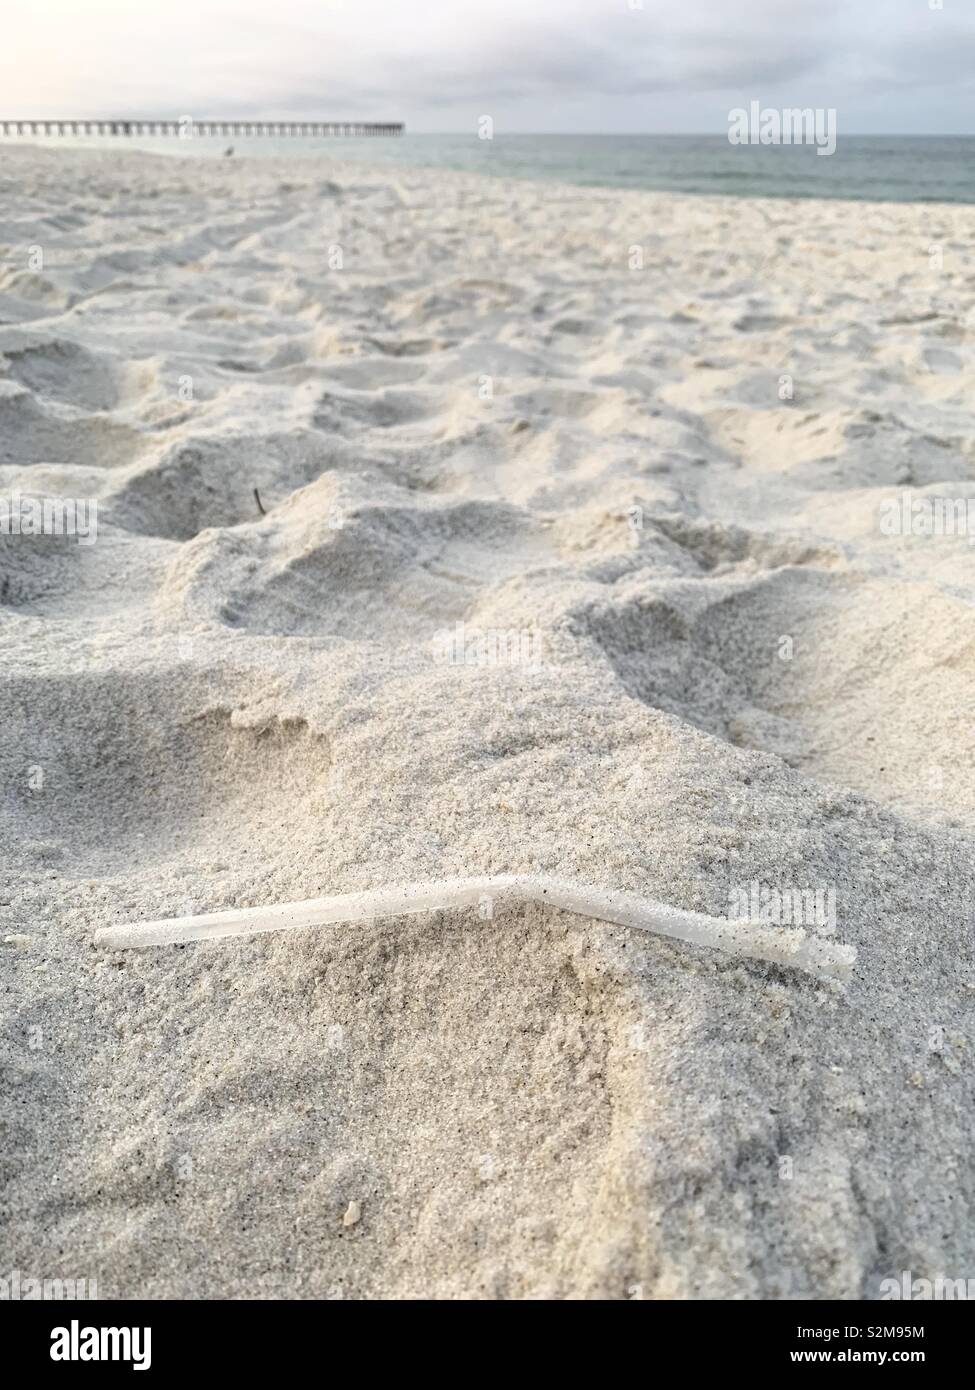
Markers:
<point>791,946</point>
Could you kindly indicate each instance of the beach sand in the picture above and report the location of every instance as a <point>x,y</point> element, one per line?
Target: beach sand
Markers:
<point>569,559</point>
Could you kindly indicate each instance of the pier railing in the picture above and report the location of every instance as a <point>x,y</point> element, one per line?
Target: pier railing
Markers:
<point>187,127</point>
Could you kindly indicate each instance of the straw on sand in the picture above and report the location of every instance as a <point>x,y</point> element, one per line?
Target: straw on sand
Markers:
<point>791,946</point>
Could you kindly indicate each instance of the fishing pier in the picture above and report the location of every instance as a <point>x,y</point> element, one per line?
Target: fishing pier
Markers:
<point>187,127</point>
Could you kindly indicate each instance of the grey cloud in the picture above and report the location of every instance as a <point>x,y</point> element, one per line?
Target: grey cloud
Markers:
<point>672,59</point>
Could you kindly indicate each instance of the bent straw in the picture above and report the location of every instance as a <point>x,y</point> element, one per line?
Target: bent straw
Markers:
<point>759,941</point>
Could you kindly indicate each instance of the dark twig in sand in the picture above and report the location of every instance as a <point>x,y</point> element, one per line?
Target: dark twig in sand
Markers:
<point>257,499</point>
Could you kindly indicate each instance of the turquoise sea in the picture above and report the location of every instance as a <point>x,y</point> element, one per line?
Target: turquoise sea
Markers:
<point>884,168</point>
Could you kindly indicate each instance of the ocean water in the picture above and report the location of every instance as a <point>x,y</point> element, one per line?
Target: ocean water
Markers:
<point>882,168</point>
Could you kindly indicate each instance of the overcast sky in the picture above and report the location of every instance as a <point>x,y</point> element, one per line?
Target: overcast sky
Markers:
<point>888,66</point>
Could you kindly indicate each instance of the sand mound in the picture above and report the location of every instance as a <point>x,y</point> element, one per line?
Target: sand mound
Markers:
<point>558,567</point>
<point>32,432</point>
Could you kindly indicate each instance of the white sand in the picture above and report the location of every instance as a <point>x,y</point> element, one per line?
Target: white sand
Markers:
<point>725,673</point>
